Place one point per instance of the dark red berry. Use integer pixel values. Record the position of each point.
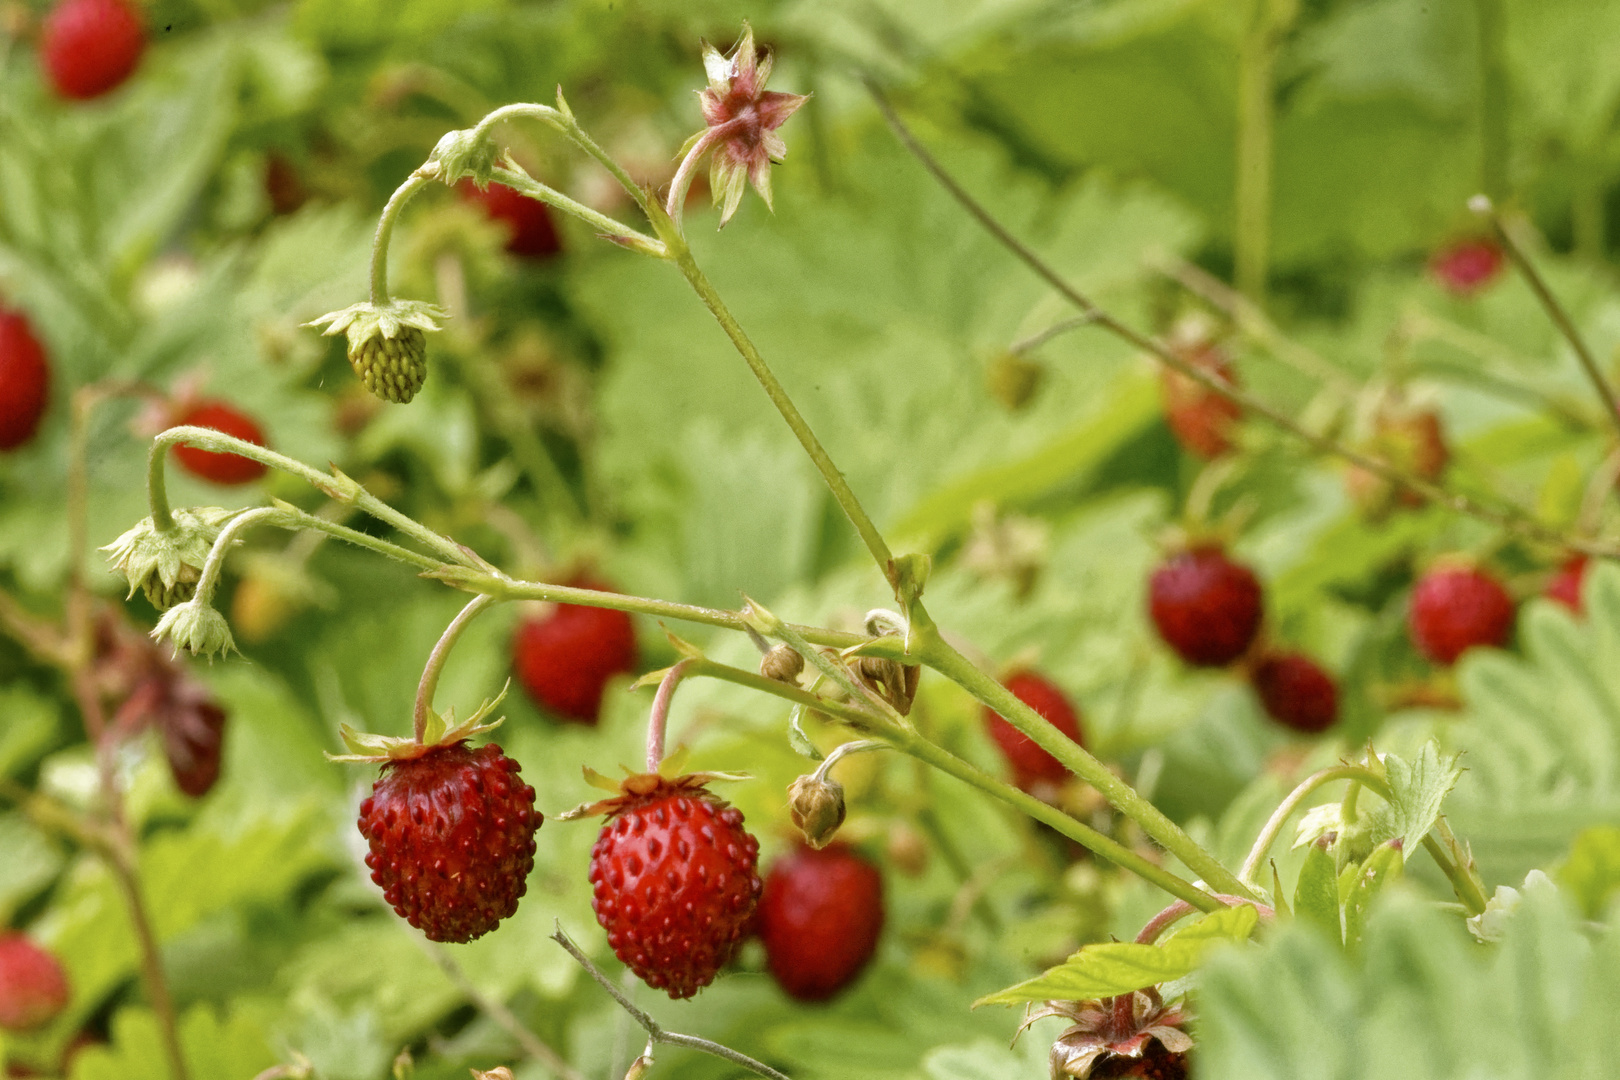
(33, 986)
(820, 917)
(565, 659)
(1565, 587)
(452, 839)
(1296, 692)
(1467, 266)
(1201, 420)
(1030, 764)
(1456, 608)
(220, 468)
(1206, 607)
(91, 46)
(25, 381)
(193, 741)
(1156, 1063)
(531, 232)
(674, 885)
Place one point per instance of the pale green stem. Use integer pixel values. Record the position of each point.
(228, 536)
(385, 228)
(844, 750)
(528, 185)
(437, 658)
(1257, 57)
(1285, 809)
(1462, 883)
(658, 717)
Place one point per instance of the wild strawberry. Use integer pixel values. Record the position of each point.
(1206, 607)
(91, 46)
(1467, 266)
(193, 741)
(1296, 692)
(566, 658)
(673, 879)
(1201, 420)
(1414, 441)
(1031, 765)
(1133, 1035)
(1565, 587)
(25, 381)
(530, 230)
(452, 838)
(33, 986)
(820, 917)
(216, 467)
(1455, 608)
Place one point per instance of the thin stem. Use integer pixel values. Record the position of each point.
(436, 660)
(675, 203)
(385, 228)
(300, 519)
(152, 974)
(1181, 909)
(497, 1011)
(656, 1032)
(1285, 810)
(528, 185)
(1466, 888)
(1483, 206)
(1041, 337)
(844, 750)
(227, 538)
(658, 718)
(1257, 56)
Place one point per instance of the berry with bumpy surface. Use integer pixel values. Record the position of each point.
(1201, 420)
(91, 46)
(820, 917)
(1565, 587)
(1455, 608)
(565, 659)
(1296, 692)
(220, 468)
(1206, 607)
(452, 838)
(1031, 765)
(1467, 266)
(25, 381)
(530, 230)
(674, 881)
(33, 986)
(393, 368)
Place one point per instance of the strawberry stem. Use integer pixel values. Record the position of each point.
(1279, 817)
(436, 659)
(658, 719)
(385, 228)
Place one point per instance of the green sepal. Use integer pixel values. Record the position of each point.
(364, 321)
(1382, 866)
(438, 731)
(1316, 894)
(157, 561)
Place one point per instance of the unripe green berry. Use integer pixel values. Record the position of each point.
(392, 368)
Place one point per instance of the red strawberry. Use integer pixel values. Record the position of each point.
(1296, 692)
(91, 46)
(673, 873)
(820, 917)
(452, 838)
(33, 986)
(1413, 441)
(1455, 608)
(565, 659)
(1565, 587)
(25, 381)
(193, 742)
(1206, 607)
(532, 233)
(1201, 420)
(220, 468)
(1467, 266)
(1030, 764)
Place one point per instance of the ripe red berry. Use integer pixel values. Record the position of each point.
(565, 659)
(1030, 764)
(820, 917)
(1296, 692)
(193, 741)
(531, 232)
(452, 839)
(1201, 420)
(91, 46)
(1565, 587)
(1467, 266)
(673, 874)
(220, 468)
(1456, 608)
(33, 986)
(1206, 607)
(25, 381)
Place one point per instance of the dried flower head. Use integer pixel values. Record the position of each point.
(1130, 1035)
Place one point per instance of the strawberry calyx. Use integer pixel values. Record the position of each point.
(640, 788)
(441, 731)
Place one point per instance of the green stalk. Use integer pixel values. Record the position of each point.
(436, 661)
(1257, 63)
(1285, 810)
(385, 228)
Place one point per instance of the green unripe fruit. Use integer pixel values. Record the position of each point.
(392, 368)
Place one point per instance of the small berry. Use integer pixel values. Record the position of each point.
(1467, 266)
(193, 741)
(33, 986)
(1456, 608)
(820, 917)
(393, 368)
(91, 46)
(1030, 764)
(565, 659)
(1296, 692)
(452, 838)
(530, 230)
(1414, 442)
(1201, 420)
(25, 381)
(220, 468)
(1206, 607)
(1565, 587)
(674, 882)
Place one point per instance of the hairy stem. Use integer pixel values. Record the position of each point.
(658, 718)
(497, 1011)
(214, 565)
(385, 229)
(1285, 810)
(1181, 909)
(436, 660)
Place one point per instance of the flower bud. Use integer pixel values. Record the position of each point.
(197, 628)
(783, 663)
(166, 564)
(895, 682)
(817, 808)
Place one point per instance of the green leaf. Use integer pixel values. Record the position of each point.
(1417, 790)
(1114, 968)
(1316, 896)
